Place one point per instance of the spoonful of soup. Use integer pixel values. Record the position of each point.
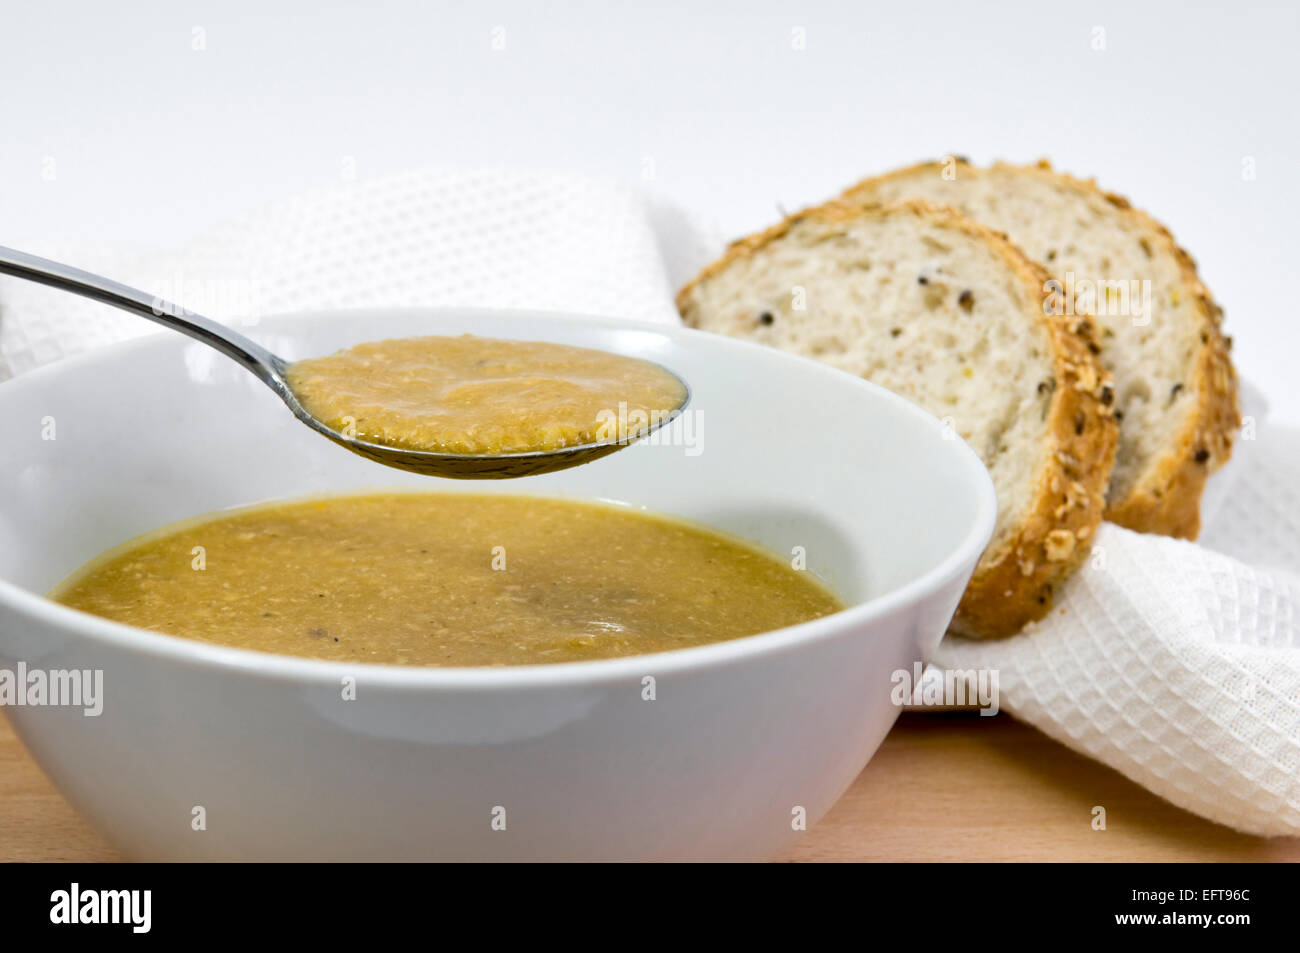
(464, 407)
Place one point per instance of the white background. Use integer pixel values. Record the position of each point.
(151, 139)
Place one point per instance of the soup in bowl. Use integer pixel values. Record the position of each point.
(223, 737)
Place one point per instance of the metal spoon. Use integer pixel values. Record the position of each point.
(270, 370)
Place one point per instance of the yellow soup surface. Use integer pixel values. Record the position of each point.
(446, 579)
(483, 396)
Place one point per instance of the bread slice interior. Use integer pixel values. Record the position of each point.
(1157, 327)
(942, 311)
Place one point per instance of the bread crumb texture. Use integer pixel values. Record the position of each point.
(948, 313)
(1157, 329)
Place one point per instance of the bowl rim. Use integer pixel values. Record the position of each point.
(272, 666)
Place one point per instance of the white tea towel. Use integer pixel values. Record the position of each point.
(1177, 664)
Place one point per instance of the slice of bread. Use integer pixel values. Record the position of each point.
(949, 314)
(1175, 388)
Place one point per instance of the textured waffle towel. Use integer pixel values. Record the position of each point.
(1176, 664)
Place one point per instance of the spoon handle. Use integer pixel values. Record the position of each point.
(265, 365)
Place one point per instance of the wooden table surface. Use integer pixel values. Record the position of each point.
(952, 787)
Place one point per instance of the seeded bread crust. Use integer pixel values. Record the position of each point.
(1166, 498)
(1015, 583)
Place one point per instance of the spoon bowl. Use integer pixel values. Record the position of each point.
(272, 370)
(465, 466)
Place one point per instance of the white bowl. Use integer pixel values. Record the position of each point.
(741, 740)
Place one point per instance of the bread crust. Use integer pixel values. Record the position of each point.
(1015, 584)
(1166, 496)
